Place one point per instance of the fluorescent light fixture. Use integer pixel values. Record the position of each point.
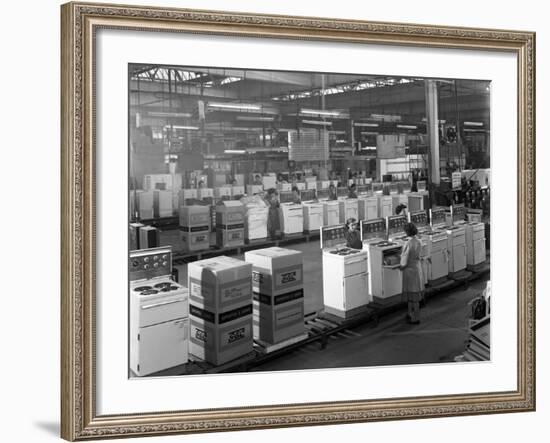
(473, 124)
(317, 122)
(474, 130)
(235, 106)
(229, 80)
(320, 112)
(190, 128)
(170, 114)
(406, 126)
(368, 133)
(384, 117)
(337, 132)
(251, 118)
(440, 121)
(234, 151)
(366, 125)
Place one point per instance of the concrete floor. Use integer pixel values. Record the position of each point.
(439, 338)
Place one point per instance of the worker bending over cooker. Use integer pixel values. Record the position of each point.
(332, 194)
(352, 234)
(296, 198)
(352, 191)
(413, 283)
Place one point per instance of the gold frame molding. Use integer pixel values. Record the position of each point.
(79, 22)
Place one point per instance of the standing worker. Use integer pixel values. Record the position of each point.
(353, 236)
(273, 222)
(296, 199)
(332, 194)
(352, 193)
(413, 283)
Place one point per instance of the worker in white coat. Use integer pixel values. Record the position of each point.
(413, 283)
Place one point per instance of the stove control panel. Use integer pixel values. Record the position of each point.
(458, 212)
(437, 216)
(333, 236)
(419, 218)
(375, 228)
(149, 263)
(396, 223)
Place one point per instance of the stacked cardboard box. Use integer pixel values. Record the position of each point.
(278, 294)
(141, 204)
(162, 204)
(230, 223)
(186, 196)
(134, 236)
(148, 237)
(195, 225)
(220, 309)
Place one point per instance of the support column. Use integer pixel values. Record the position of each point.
(432, 128)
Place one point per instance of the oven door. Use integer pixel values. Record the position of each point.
(163, 346)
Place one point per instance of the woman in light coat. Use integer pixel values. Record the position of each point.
(413, 283)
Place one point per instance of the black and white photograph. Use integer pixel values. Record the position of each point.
(289, 220)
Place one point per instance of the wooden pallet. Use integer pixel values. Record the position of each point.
(230, 366)
(257, 241)
(479, 268)
(267, 348)
(460, 276)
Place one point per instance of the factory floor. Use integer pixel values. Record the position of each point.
(439, 337)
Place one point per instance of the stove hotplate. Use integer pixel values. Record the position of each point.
(169, 288)
(344, 251)
(385, 243)
(142, 288)
(149, 292)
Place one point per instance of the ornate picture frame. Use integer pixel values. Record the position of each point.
(80, 22)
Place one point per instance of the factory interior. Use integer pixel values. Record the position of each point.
(299, 220)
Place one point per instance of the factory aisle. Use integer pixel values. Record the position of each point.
(440, 337)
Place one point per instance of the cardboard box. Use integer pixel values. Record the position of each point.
(162, 204)
(162, 182)
(194, 216)
(144, 206)
(133, 240)
(148, 237)
(230, 223)
(195, 225)
(278, 293)
(220, 284)
(220, 338)
(185, 196)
